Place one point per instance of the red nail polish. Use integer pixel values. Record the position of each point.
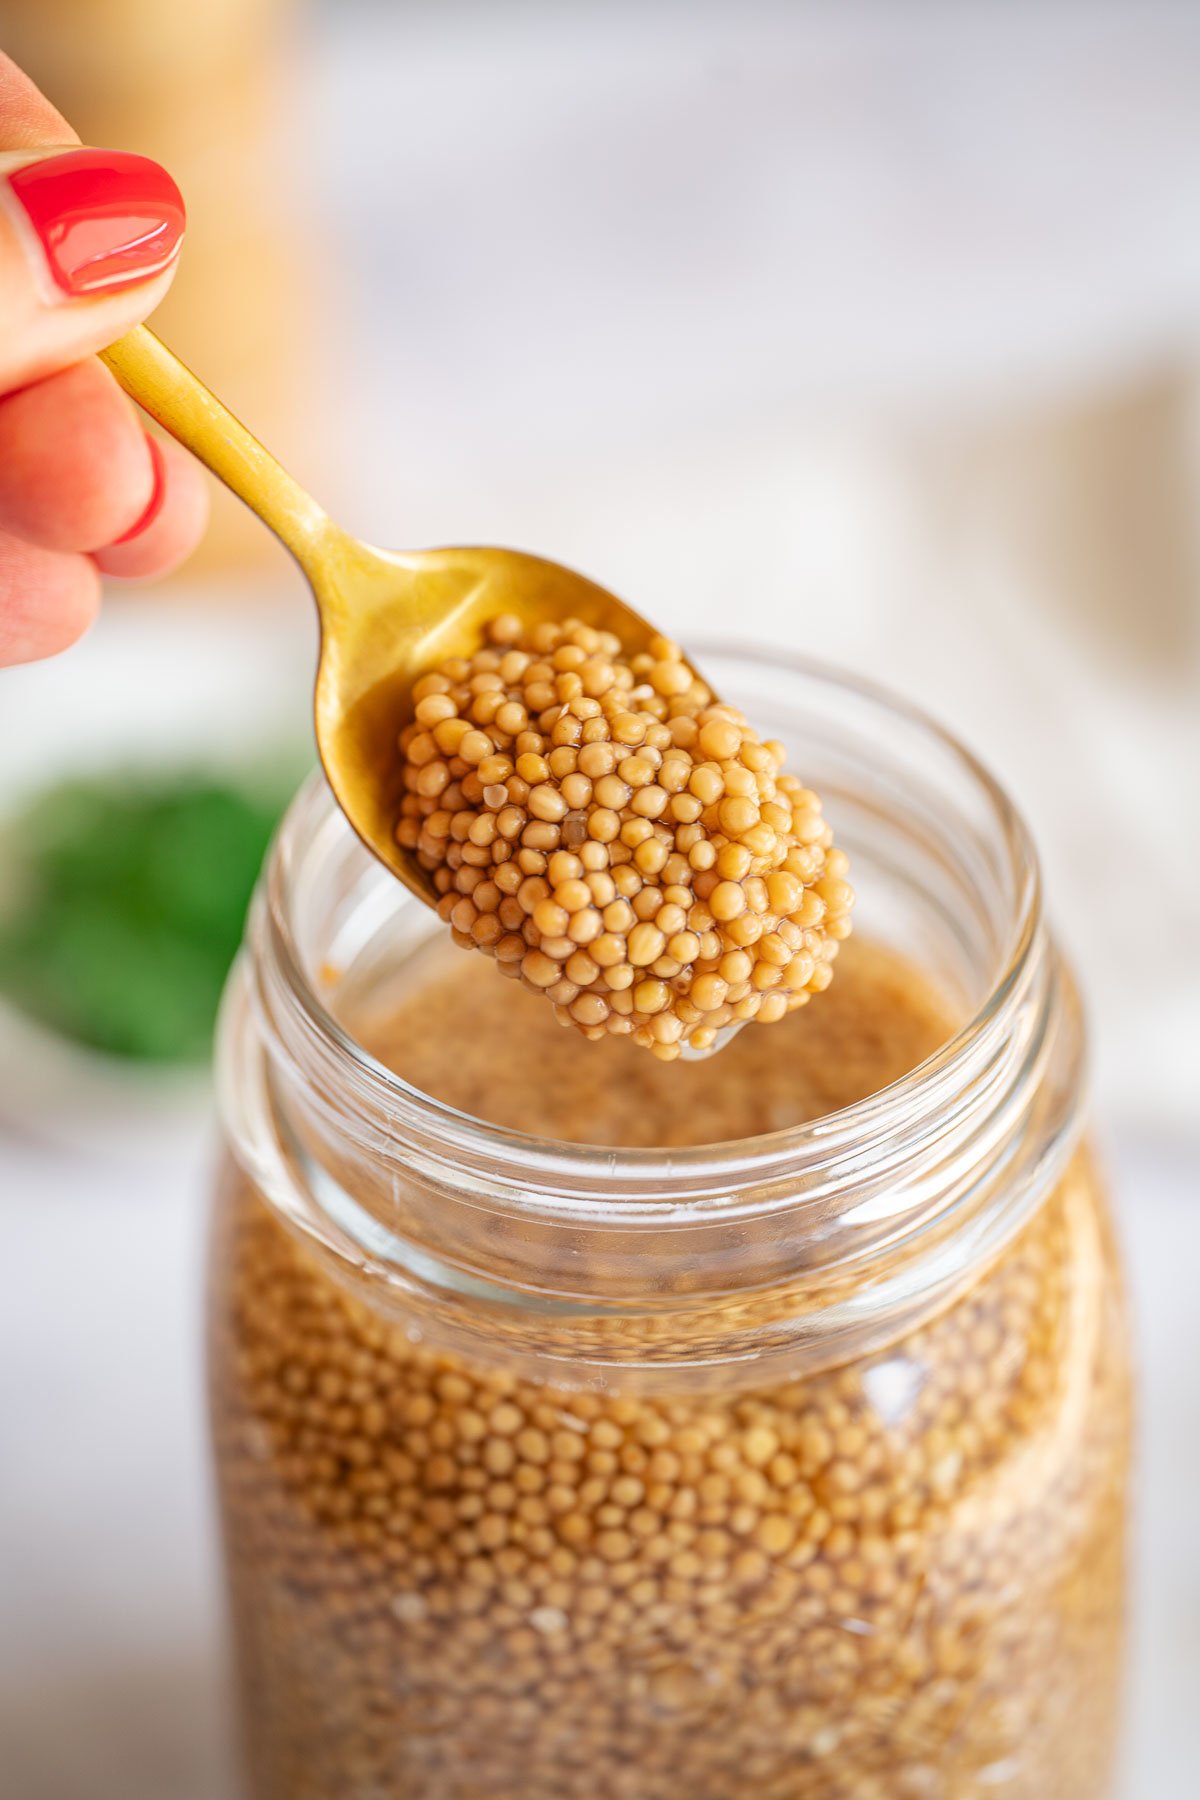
(104, 218)
(158, 494)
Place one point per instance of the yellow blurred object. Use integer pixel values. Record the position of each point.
(199, 87)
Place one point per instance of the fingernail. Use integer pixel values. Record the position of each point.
(158, 494)
(104, 219)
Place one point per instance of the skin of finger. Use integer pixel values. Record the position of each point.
(174, 534)
(47, 600)
(26, 116)
(75, 471)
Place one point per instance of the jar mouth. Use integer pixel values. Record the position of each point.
(550, 1175)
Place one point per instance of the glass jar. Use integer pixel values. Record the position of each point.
(790, 1466)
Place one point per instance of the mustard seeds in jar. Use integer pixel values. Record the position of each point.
(617, 839)
(592, 1426)
(900, 1576)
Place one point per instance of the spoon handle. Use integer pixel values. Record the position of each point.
(167, 390)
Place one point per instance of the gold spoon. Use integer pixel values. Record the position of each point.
(386, 616)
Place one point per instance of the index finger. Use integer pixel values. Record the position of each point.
(27, 118)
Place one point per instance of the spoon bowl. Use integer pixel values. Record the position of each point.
(386, 617)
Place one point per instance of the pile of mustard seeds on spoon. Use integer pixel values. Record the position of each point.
(617, 839)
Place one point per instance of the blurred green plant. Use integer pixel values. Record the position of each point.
(124, 902)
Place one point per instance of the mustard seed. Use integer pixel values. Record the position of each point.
(727, 901)
(720, 739)
(646, 942)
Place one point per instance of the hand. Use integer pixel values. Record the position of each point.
(89, 240)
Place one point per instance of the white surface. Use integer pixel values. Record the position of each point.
(111, 1685)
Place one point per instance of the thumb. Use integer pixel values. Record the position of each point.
(88, 245)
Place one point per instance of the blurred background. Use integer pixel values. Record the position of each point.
(871, 330)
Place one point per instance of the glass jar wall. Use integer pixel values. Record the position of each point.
(588, 1426)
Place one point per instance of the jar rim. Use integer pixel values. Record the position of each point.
(549, 1175)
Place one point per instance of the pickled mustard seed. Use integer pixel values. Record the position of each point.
(828, 1584)
(617, 839)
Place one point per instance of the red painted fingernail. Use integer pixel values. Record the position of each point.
(158, 494)
(105, 219)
